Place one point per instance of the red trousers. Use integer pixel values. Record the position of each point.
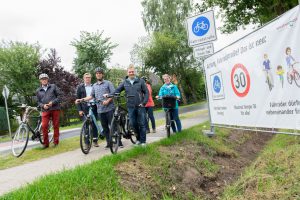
(54, 114)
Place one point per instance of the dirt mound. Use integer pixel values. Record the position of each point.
(190, 170)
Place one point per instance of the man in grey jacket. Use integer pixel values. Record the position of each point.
(136, 87)
(48, 100)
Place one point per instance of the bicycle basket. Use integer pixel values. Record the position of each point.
(169, 102)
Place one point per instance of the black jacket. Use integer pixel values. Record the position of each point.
(138, 89)
(81, 93)
(52, 94)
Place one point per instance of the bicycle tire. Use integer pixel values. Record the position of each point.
(168, 124)
(289, 78)
(114, 136)
(297, 78)
(86, 138)
(50, 132)
(20, 140)
(269, 83)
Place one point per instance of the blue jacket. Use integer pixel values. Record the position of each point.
(171, 90)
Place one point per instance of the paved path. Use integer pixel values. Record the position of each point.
(15, 177)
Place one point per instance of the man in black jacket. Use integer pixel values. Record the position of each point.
(85, 90)
(136, 87)
(48, 100)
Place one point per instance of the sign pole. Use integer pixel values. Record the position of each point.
(5, 95)
(212, 128)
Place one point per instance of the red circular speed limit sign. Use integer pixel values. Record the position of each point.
(240, 80)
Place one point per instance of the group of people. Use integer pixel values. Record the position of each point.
(139, 104)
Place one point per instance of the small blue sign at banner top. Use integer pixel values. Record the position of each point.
(200, 26)
(217, 84)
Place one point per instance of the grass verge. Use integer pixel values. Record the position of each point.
(274, 175)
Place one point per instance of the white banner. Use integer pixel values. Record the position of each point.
(255, 81)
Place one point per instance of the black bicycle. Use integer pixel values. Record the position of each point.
(86, 133)
(21, 137)
(168, 103)
(120, 125)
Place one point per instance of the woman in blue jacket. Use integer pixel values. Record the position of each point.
(171, 90)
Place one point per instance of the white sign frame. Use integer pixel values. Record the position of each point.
(201, 28)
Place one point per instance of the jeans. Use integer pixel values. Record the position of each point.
(149, 112)
(106, 119)
(45, 123)
(175, 116)
(137, 122)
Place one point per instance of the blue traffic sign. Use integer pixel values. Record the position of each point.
(217, 84)
(200, 26)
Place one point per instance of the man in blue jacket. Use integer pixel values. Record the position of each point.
(135, 87)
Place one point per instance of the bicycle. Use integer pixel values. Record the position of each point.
(20, 139)
(86, 132)
(200, 26)
(168, 103)
(120, 126)
(293, 75)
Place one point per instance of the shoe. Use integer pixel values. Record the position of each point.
(148, 131)
(143, 144)
(106, 147)
(96, 144)
(45, 146)
(137, 143)
(121, 145)
(101, 137)
(154, 131)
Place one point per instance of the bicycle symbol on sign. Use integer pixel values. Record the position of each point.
(200, 26)
(217, 84)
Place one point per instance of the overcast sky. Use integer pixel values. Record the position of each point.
(54, 24)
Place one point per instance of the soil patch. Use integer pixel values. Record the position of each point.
(189, 170)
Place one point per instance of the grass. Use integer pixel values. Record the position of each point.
(7, 161)
(99, 179)
(274, 175)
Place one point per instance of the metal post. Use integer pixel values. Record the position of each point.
(212, 128)
(7, 117)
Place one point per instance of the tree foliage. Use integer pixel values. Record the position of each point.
(168, 50)
(66, 81)
(92, 50)
(236, 14)
(18, 64)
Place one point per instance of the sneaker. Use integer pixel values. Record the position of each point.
(154, 131)
(121, 145)
(106, 147)
(137, 143)
(143, 144)
(96, 144)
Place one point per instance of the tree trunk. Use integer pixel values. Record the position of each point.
(184, 100)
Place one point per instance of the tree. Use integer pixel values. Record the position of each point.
(18, 64)
(66, 81)
(92, 51)
(236, 14)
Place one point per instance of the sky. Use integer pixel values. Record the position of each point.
(55, 23)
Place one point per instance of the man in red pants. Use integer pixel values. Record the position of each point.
(48, 101)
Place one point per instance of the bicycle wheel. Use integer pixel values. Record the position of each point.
(86, 137)
(297, 78)
(114, 136)
(50, 132)
(20, 140)
(168, 123)
(289, 78)
(132, 134)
